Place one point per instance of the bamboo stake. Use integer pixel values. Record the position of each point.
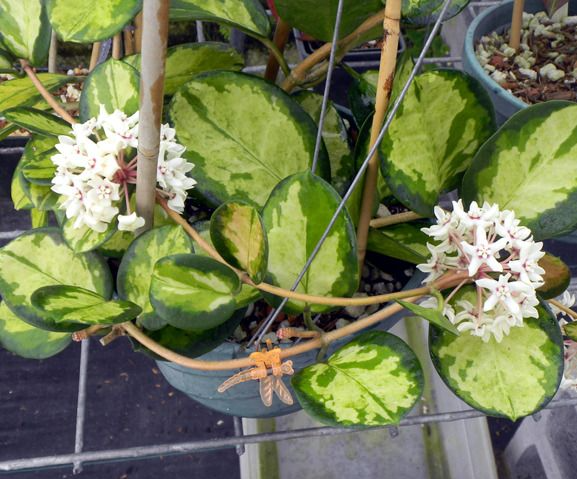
(117, 46)
(516, 24)
(384, 86)
(95, 54)
(52, 53)
(138, 33)
(281, 36)
(154, 42)
(128, 41)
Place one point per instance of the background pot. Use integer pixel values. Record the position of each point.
(497, 18)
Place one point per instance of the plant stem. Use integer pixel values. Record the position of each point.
(281, 35)
(308, 320)
(384, 87)
(563, 308)
(52, 53)
(274, 50)
(298, 74)
(154, 41)
(45, 93)
(394, 219)
(516, 23)
(443, 282)
(94, 56)
(128, 41)
(117, 46)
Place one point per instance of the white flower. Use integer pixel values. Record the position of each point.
(507, 293)
(483, 252)
(130, 222)
(527, 266)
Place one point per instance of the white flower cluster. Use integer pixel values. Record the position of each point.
(500, 257)
(96, 165)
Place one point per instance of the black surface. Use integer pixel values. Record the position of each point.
(128, 403)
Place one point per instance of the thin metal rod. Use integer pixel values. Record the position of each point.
(238, 432)
(53, 52)
(328, 84)
(274, 314)
(228, 442)
(81, 406)
(200, 32)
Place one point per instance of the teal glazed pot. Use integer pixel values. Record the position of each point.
(243, 400)
(497, 18)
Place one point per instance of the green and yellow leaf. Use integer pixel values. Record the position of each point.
(237, 233)
(37, 121)
(434, 316)
(22, 92)
(404, 241)
(374, 380)
(529, 167)
(557, 276)
(295, 217)
(193, 292)
(243, 134)
(84, 238)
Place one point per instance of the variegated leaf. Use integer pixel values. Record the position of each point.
(41, 258)
(570, 330)
(37, 167)
(71, 305)
(243, 134)
(529, 167)
(189, 59)
(84, 238)
(335, 138)
(6, 62)
(246, 15)
(22, 92)
(513, 378)
(113, 84)
(18, 187)
(238, 234)
(295, 217)
(39, 194)
(362, 93)
(374, 380)
(24, 29)
(318, 18)
(192, 343)
(557, 276)
(27, 341)
(434, 316)
(90, 20)
(444, 119)
(193, 292)
(425, 12)
(403, 241)
(38, 219)
(37, 121)
(135, 272)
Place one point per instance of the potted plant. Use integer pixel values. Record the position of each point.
(531, 72)
(127, 185)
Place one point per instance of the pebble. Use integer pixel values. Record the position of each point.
(356, 311)
(239, 334)
(379, 288)
(499, 77)
(532, 74)
(551, 72)
(387, 276)
(272, 336)
(341, 323)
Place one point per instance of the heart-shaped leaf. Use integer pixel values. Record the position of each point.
(22, 92)
(335, 138)
(318, 18)
(374, 380)
(90, 20)
(246, 15)
(27, 341)
(6, 62)
(557, 276)
(434, 316)
(513, 378)
(238, 234)
(192, 343)
(42, 258)
(236, 129)
(37, 121)
(84, 238)
(113, 84)
(189, 59)
(403, 241)
(445, 117)
(70, 305)
(570, 330)
(193, 292)
(135, 271)
(295, 217)
(529, 167)
(24, 29)
(426, 12)
(38, 219)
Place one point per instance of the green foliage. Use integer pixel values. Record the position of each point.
(21, 91)
(434, 316)
(404, 241)
(37, 121)
(374, 380)
(557, 276)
